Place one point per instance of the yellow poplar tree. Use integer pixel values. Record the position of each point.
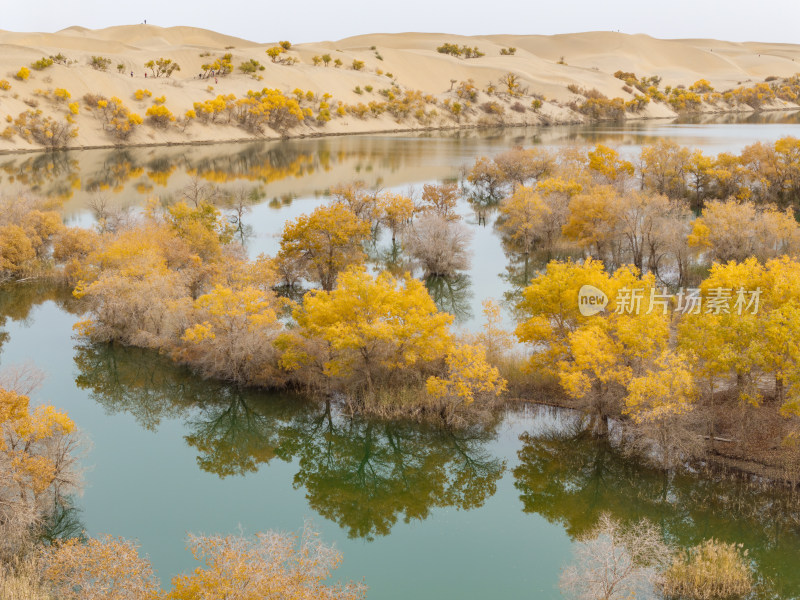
(375, 327)
(327, 241)
(396, 211)
(233, 336)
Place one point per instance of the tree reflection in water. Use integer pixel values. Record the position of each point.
(571, 478)
(17, 300)
(362, 474)
(452, 294)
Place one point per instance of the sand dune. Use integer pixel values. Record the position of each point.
(546, 65)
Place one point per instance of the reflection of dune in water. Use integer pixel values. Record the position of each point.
(296, 168)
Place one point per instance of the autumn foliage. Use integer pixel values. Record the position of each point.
(280, 565)
(38, 469)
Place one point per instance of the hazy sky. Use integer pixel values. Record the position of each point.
(315, 20)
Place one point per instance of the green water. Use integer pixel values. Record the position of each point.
(419, 513)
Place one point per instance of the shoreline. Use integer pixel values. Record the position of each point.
(322, 134)
(711, 461)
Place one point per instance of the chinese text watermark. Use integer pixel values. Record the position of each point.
(687, 301)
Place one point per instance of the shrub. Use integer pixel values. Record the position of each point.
(368, 88)
(99, 63)
(23, 73)
(471, 52)
(700, 86)
(357, 65)
(32, 125)
(160, 115)
(267, 108)
(4, 85)
(211, 110)
(117, 119)
(682, 100)
(42, 63)
(120, 67)
(274, 53)
(358, 90)
(142, 94)
(601, 108)
(360, 110)
(162, 67)
(518, 107)
(492, 108)
(451, 49)
(251, 66)
(61, 95)
(285, 45)
(637, 104)
(707, 571)
(466, 90)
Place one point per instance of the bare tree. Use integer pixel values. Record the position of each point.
(109, 218)
(23, 379)
(441, 247)
(197, 191)
(240, 202)
(615, 561)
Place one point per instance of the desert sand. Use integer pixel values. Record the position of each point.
(411, 58)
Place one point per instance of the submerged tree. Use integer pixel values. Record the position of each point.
(38, 469)
(441, 246)
(374, 329)
(326, 242)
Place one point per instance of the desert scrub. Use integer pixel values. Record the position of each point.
(159, 115)
(33, 126)
(42, 63)
(99, 63)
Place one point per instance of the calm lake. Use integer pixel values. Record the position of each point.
(485, 513)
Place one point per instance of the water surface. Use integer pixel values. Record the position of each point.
(420, 513)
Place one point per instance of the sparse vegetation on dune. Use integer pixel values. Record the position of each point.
(510, 100)
(477, 102)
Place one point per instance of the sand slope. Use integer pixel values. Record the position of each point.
(591, 59)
